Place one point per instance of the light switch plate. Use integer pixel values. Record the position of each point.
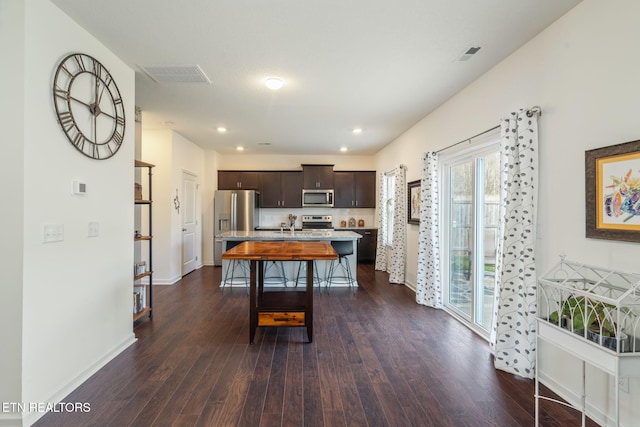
(94, 229)
(53, 233)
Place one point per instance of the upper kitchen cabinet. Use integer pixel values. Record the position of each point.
(354, 189)
(281, 189)
(317, 176)
(238, 180)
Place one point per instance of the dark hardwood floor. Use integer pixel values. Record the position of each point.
(377, 359)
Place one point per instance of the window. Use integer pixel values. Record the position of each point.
(389, 194)
(470, 203)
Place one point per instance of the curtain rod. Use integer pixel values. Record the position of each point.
(392, 171)
(468, 139)
(530, 112)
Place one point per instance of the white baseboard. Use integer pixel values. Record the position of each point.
(173, 280)
(411, 286)
(574, 399)
(30, 418)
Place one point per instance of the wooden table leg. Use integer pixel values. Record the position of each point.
(253, 312)
(308, 317)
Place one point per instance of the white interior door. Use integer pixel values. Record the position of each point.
(188, 207)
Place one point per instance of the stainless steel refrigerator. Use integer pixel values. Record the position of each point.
(233, 210)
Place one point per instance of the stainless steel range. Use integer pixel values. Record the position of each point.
(317, 222)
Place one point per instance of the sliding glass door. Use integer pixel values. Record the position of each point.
(471, 195)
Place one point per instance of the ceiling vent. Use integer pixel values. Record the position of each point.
(469, 53)
(177, 74)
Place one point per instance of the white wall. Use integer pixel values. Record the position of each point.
(157, 149)
(187, 157)
(12, 39)
(77, 293)
(582, 72)
(208, 193)
(171, 154)
(246, 161)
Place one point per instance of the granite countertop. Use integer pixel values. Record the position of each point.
(355, 228)
(288, 235)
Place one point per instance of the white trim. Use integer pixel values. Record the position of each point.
(30, 418)
(575, 400)
(486, 144)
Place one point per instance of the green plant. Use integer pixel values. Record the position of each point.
(598, 316)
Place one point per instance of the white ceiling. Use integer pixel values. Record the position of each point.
(375, 64)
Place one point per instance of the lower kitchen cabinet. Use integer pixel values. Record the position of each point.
(367, 244)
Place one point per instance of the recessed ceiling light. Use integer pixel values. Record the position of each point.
(357, 131)
(240, 148)
(221, 129)
(274, 83)
(344, 149)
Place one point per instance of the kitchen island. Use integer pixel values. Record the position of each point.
(281, 308)
(291, 268)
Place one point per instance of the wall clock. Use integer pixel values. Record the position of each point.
(89, 106)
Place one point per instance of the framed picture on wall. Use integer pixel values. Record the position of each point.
(612, 177)
(413, 205)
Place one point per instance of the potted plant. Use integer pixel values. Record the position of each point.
(603, 328)
(577, 314)
(570, 315)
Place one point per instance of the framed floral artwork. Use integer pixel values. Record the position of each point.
(613, 192)
(413, 211)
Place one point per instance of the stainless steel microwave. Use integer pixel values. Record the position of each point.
(321, 198)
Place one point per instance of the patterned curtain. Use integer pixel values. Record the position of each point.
(381, 253)
(399, 242)
(429, 285)
(513, 335)
(396, 265)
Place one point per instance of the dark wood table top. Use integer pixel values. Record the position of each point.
(282, 251)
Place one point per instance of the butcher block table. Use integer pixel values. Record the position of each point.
(288, 307)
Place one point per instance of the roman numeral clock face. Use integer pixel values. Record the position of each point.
(89, 106)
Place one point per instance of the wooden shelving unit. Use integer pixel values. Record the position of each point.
(145, 290)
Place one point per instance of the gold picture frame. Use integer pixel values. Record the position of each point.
(612, 178)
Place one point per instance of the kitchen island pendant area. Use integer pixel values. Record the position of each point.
(292, 272)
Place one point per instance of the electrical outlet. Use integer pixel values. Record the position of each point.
(623, 384)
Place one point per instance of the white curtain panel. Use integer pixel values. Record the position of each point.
(399, 242)
(513, 335)
(381, 255)
(429, 284)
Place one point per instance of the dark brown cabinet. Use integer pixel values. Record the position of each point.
(281, 189)
(354, 189)
(317, 176)
(367, 245)
(238, 180)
